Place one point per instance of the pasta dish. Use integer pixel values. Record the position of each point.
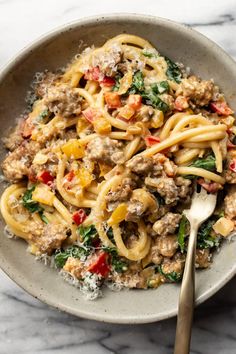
(105, 160)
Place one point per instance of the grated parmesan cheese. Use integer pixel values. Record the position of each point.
(8, 233)
(46, 260)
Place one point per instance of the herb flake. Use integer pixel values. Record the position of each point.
(208, 163)
(88, 234)
(61, 256)
(173, 277)
(154, 100)
(118, 264)
(182, 233)
(205, 237)
(30, 204)
(173, 72)
(160, 87)
(137, 84)
(44, 114)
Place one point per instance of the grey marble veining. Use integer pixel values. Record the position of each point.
(27, 325)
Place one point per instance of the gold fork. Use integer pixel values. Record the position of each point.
(202, 207)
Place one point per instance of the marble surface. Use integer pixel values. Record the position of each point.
(27, 325)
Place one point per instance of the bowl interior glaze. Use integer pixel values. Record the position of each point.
(53, 51)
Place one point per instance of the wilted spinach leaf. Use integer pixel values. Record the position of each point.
(61, 256)
(173, 277)
(160, 87)
(30, 204)
(88, 234)
(118, 264)
(204, 237)
(182, 233)
(173, 72)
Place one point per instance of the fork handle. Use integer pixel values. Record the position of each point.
(187, 298)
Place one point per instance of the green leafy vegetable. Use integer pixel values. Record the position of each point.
(205, 236)
(138, 83)
(110, 235)
(88, 234)
(30, 204)
(43, 218)
(173, 72)
(173, 277)
(151, 96)
(182, 233)
(42, 115)
(154, 100)
(118, 264)
(208, 163)
(117, 84)
(61, 256)
(160, 87)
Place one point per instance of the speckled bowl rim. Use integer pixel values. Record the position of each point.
(5, 70)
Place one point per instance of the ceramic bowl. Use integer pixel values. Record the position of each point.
(53, 51)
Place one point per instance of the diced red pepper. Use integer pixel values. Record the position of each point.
(94, 74)
(152, 140)
(211, 187)
(108, 81)
(45, 177)
(181, 103)
(70, 176)
(135, 101)
(112, 99)
(232, 165)
(91, 114)
(221, 108)
(79, 216)
(100, 265)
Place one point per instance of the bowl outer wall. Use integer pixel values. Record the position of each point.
(53, 51)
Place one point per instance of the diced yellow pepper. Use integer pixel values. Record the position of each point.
(118, 214)
(42, 194)
(40, 159)
(73, 149)
(33, 249)
(125, 83)
(223, 226)
(229, 121)
(84, 177)
(81, 125)
(157, 119)
(102, 125)
(126, 112)
(189, 111)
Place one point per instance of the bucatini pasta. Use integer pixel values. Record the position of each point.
(106, 160)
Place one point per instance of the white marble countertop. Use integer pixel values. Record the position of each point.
(27, 325)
